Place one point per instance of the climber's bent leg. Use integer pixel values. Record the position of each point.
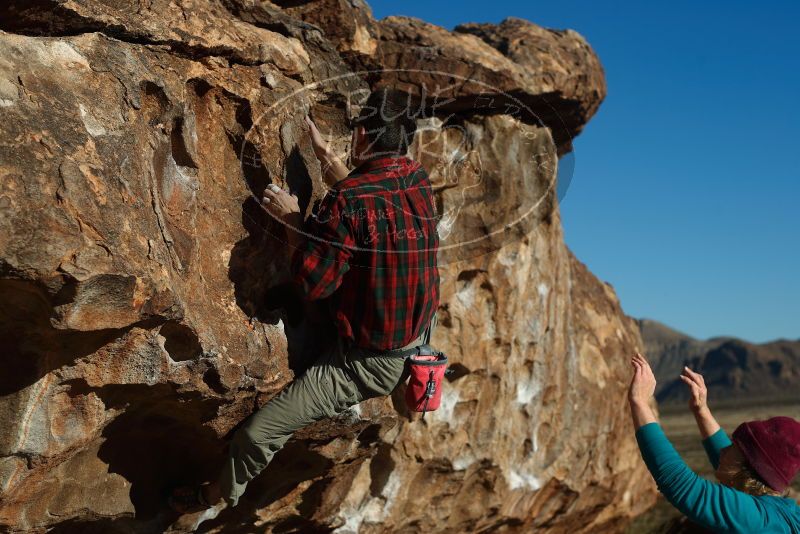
(325, 389)
(341, 378)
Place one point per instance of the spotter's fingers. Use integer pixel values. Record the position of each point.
(697, 377)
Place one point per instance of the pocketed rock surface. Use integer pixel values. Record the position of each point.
(137, 322)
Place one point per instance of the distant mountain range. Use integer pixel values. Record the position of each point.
(735, 371)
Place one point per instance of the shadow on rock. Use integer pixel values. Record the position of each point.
(32, 347)
(160, 441)
(290, 468)
(264, 255)
(124, 525)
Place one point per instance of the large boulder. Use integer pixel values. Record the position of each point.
(138, 319)
(538, 75)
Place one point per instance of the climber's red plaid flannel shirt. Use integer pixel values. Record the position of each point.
(372, 249)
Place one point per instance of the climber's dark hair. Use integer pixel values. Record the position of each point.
(388, 117)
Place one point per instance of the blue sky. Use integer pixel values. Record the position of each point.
(687, 181)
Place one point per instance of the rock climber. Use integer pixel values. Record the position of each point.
(755, 468)
(370, 252)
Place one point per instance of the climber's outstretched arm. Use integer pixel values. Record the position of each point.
(333, 170)
(320, 261)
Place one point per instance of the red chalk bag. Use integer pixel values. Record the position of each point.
(426, 373)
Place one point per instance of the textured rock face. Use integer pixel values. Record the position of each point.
(136, 322)
(542, 76)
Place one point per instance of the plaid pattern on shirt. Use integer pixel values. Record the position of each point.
(372, 250)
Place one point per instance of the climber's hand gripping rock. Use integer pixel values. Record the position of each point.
(281, 204)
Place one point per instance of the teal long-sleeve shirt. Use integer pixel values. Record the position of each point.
(712, 505)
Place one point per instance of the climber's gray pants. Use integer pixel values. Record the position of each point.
(339, 379)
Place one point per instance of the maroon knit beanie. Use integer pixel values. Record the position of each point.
(772, 449)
